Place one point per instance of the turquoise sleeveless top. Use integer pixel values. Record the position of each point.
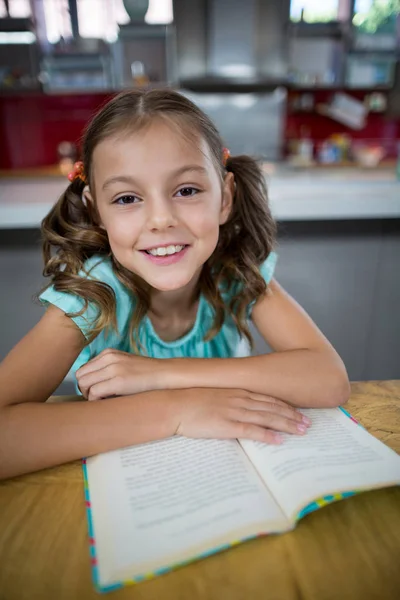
(226, 344)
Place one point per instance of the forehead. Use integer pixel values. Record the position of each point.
(158, 144)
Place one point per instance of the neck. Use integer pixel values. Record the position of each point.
(176, 302)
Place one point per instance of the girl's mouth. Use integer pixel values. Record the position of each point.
(167, 259)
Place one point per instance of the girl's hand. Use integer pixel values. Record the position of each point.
(234, 413)
(116, 373)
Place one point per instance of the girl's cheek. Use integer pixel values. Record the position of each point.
(122, 226)
(203, 216)
(208, 226)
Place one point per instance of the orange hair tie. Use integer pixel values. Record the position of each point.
(77, 172)
(225, 155)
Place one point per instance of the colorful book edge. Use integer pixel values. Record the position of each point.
(312, 507)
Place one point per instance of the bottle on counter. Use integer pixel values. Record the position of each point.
(328, 153)
(342, 142)
(305, 148)
(139, 75)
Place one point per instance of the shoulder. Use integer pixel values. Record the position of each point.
(96, 268)
(99, 268)
(267, 268)
(83, 312)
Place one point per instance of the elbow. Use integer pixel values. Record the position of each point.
(337, 389)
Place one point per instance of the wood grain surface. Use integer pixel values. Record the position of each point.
(349, 550)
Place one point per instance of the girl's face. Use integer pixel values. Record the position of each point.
(161, 202)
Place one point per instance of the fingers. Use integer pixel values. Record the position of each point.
(285, 410)
(107, 352)
(250, 431)
(254, 401)
(268, 413)
(86, 381)
(107, 357)
(270, 400)
(270, 420)
(231, 413)
(265, 398)
(94, 365)
(98, 369)
(246, 394)
(104, 389)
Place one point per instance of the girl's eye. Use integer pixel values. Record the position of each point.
(187, 192)
(126, 200)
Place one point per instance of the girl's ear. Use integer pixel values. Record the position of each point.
(87, 196)
(87, 200)
(228, 193)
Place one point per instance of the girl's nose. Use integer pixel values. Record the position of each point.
(160, 213)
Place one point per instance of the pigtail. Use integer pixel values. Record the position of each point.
(246, 240)
(71, 228)
(251, 220)
(71, 235)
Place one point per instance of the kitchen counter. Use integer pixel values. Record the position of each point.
(333, 193)
(295, 194)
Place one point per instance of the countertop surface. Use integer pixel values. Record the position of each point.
(348, 550)
(295, 194)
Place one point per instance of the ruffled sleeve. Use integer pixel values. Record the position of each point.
(96, 268)
(267, 269)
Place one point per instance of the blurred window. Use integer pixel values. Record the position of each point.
(376, 16)
(314, 11)
(160, 12)
(17, 8)
(58, 22)
(97, 18)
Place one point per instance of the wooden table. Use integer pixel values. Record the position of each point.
(347, 551)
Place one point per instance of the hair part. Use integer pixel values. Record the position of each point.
(71, 232)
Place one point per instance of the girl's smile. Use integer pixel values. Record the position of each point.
(170, 254)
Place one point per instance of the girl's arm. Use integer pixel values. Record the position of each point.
(303, 370)
(35, 435)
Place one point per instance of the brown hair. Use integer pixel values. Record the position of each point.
(246, 239)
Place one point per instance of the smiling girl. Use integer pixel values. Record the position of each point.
(159, 252)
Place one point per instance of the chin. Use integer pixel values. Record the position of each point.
(169, 284)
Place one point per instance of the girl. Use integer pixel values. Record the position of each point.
(158, 251)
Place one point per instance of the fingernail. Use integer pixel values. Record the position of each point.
(306, 420)
(277, 439)
(301, 428)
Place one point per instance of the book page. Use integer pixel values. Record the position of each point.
(167, 501)
(335, 455)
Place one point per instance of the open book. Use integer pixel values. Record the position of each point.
(159, 505)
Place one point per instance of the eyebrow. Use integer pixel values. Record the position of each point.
(177, 173)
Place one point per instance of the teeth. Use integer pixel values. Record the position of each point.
(165, 250)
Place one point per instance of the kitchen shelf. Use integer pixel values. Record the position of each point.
(215, 84)
(338, 87)
(332, 29)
